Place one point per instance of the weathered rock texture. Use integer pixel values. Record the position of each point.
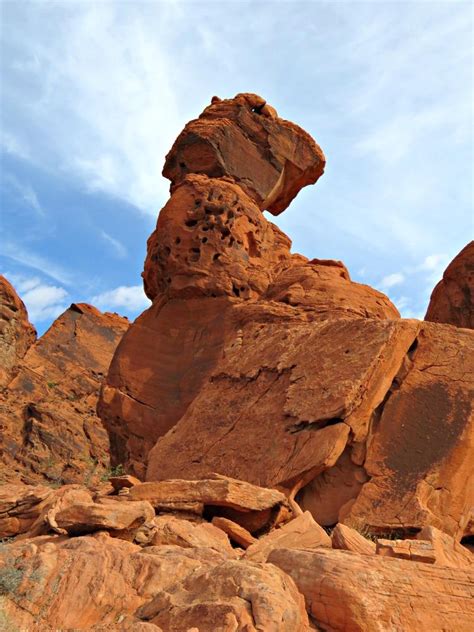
(49, 429)
(17, 334)
(452, 300)
(264, 366)
(368, 593)
(177, 572)
(271, 159)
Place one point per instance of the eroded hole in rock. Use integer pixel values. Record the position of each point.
(412, 349)
(190, 222)
(225, 233)
(177, 240)
(204, 240)
(216, 256)
(182, 165)
(167, 250)
(468, 542)
(253, 248)
(235, 290)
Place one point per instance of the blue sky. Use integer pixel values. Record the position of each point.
(94, 93)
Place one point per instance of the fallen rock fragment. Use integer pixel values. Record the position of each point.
(219, 491)
(170, 530)
(109, 514)
(307, 386)
(20, 506)
(346, 591)
(348, 539)
(447, 551)
(301, 533)
(412, 550)
(235, 531)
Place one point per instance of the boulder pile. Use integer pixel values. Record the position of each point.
(287, 453)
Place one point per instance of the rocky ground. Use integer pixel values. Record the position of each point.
(268, 447)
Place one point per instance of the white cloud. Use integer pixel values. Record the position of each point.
(43, 301)
(104, 108)
(392, 279)
(131, 298)
(117, 247)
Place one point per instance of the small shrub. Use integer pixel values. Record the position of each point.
(51, 384)
(10, 579)
(118, 470)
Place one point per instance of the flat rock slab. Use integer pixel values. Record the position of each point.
(360, 593)
(279, 408)
(220, 491)
(420, 457)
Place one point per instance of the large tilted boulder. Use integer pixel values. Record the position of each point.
(369, 593)
(265, 366)
(452, 300)
(50, 430)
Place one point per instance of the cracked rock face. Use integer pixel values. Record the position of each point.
(260, 364)
(49, 427)
(452, 300)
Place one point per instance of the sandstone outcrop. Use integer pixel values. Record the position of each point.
(271, 159)
(262, 365)
(17, 334)
(452, 300)
(288, 453)
(369, 593)
(48, 423)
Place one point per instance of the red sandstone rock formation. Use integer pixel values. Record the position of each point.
(48, 424)
(269, 158)
(253, 363)
(17, 334)
(214, 267)
(452, 300)
(259, 364)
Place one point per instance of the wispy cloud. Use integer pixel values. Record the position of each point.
(117, 247)
(24, 192)
(130, 298)
(17, 253)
